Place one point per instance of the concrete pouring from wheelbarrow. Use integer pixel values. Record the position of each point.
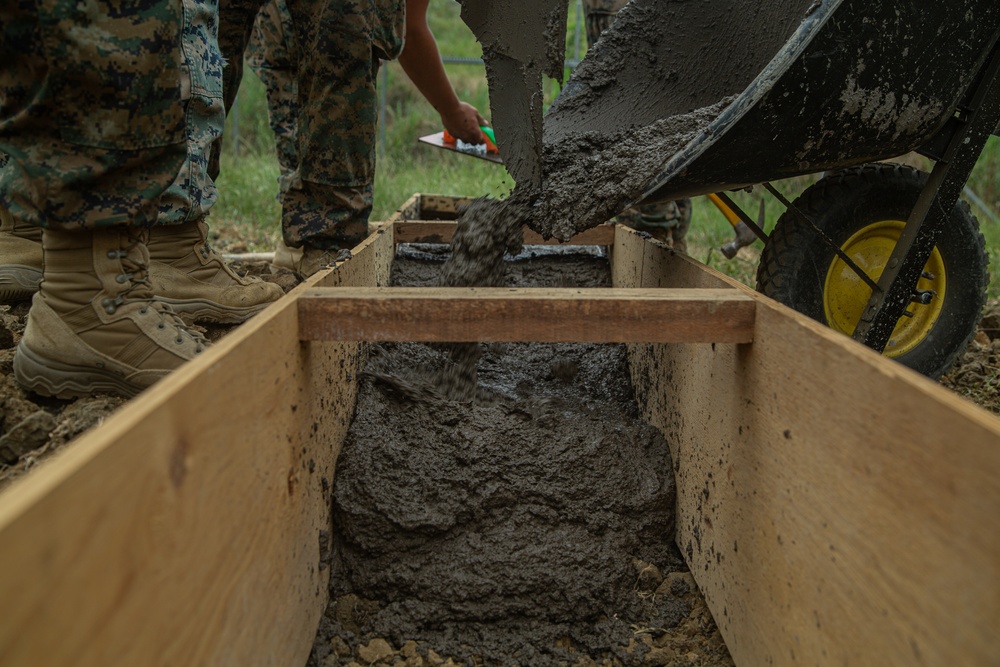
(192, 528)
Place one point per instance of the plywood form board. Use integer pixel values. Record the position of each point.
(441, 232)
(456, 314)
(192, 527)
(834, 507)
(429, 207)
(442, 206)
(410, 210)
(427, 218)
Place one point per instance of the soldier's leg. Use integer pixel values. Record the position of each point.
(20, 255)
(328, 203)
(683, 224)
(666, 221)
(88, 165)
(598, 15)
(186, 272)
(271, 54)
(236, 20)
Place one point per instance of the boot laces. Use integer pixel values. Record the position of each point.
(135, 272)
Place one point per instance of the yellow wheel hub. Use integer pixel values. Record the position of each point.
(845, 295)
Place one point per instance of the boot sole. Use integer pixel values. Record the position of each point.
(18, 283)
(201, 310)
(58, 380)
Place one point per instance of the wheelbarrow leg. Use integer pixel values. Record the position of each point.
(977, 120)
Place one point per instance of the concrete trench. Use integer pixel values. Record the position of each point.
(531, 525)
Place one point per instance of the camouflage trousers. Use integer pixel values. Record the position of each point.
(272, 55)
(667, 221)
(598, 15)
(193, 192)
(334, 48)
(105, 136)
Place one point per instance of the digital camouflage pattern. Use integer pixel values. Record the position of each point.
(272, 56)
(598, 15)
(667, 221)
(339, 43)
(193, 192)
(90, 115)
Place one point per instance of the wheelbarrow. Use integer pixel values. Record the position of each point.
(882, 252)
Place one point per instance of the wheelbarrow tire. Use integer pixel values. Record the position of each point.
(796, 262)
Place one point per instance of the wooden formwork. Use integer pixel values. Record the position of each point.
(834, 507)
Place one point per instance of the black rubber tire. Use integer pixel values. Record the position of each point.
(795, 261)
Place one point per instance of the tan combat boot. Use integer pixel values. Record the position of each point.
(307, 260)
(20, 259)
(94, 326)
(190, 276)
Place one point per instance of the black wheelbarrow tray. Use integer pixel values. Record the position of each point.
(883, 252)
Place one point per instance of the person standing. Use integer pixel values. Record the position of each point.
(346, 166)
(106, 113)
(339, 45)
(184, 270)
(93, 122)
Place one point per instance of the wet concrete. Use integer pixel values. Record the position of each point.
(521, 41)
(496, 526)
(652, 85)
(493, 501)
(591, 176)
(664, 58)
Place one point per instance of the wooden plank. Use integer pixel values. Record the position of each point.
(410, 210)
(541, 315)
(600, 235)
(436, 206)
(424, 232)
(193, 527)
(427, 207)
(834, 507)
(439, 231)
(425, 218)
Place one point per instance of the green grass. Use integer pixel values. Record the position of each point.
(248, 183)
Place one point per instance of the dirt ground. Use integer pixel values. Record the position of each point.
(625, 600)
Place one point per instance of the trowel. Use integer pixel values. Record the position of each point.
(487, 151)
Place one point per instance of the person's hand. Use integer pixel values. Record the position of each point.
(464, 122)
